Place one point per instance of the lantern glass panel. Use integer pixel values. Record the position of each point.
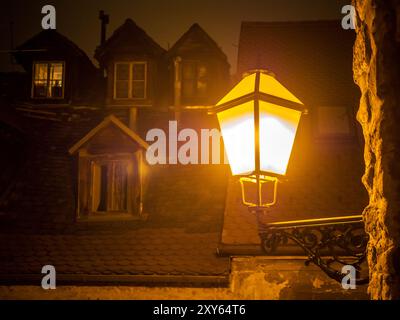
(237, 126)
(278, 126)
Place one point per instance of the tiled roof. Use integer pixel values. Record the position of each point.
(44, 187)
(177, 242)
(145, 251)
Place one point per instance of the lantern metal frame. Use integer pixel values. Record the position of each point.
(259, 181)
(259, 176)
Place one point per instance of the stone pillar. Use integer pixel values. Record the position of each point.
(376, 71)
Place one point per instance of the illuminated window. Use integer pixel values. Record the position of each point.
(194, 80)
(48, 80)
(130, 80)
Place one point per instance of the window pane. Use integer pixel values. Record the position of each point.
(202, 72)
(119, 187)
(138, 89)
(201, 88)
(40, 89)
(122, 71)
(122, 89)
(103, 188)
(201, 81)
(130, 80)
(138, 71)
(56, 80)
(188, 71)
(48, 80)
(56, 90)
(194, 79)
(110, 184)
(56, 71)
(40, 71)
(40, 80)
(188, 88)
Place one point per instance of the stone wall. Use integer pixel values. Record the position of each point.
(377, 73)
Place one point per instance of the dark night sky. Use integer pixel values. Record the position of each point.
(164, 20)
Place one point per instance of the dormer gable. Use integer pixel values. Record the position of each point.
(110, 172)
(129, 38)
(196, 40)
(131, 59)
(57, 69)
(199, 69)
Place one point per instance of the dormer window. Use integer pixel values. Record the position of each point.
(194, 81)
(110, 172)
(130, 80)
(48, 80)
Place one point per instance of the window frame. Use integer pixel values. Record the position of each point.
(130, 80)
(48, 62)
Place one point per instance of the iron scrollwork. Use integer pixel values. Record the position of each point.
(329, 243)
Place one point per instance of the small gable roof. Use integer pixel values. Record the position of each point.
(196, 40)
(110, 120)
(50, 43)
(129, 38)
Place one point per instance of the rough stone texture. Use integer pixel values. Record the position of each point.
(377, 73)
(286, 278)
(251, 278)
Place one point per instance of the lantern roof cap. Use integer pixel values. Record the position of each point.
(264, 71)
(260, 84)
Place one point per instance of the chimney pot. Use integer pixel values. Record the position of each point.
(105, 19)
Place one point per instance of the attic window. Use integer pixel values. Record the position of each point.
(48, 80)
(130, 80)
(194, 80)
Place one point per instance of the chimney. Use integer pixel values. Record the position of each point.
(105, 19)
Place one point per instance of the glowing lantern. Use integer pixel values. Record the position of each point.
(258, 120)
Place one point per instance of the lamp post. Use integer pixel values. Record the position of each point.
(259, 118)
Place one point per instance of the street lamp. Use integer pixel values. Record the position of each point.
(258, 120)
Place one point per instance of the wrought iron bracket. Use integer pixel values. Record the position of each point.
(329, 243)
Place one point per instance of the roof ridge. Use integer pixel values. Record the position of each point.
(61, 37)
(104, 123)
(196, 26)
(129, 25)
